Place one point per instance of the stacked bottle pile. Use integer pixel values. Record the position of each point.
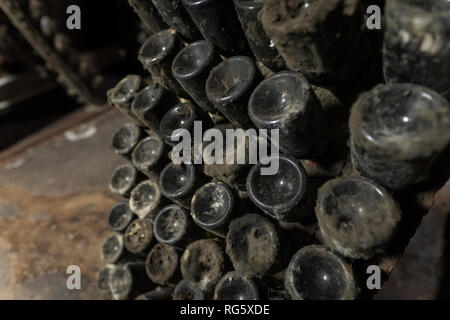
(190, 231)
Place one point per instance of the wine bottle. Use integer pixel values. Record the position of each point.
(124, 179)
(180, 182)
(233, 286)
(317, 273)
(263, 48)
(212, 207)
(120, 216)
(173, 226)
(138, 237)
(157, 54)
(125, 139)
(176, 16)
(283, 196)
(357, 217)
(203, 263)
(151, 103)
(229, 86)
(269, 250)
(417, 44)
(185, 290)
(286, 101)
(150, 156)
(163, 265)
(397, 131)
(191, 68)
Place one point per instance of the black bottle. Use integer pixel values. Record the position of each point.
(129, 281)
(113, 250)
(123, 94)
(176, 16)
(218, 23)
(181, 116)
(150, 156)
(316, 273)
(157, 54)
(269, 250)
(263, 48)
(322, 39)
(357, 217)
(120, 216)
(212, 207)
(229, 87)
(124, 179)
(179, 183)
(232, 286)
(102, 279)
(173, 226)
(163, 265)
(283, 196)
(145, 199)
(125, 139)
(397, 131)
(207, 256)
(185, 290)
(151, 103)
(417, 44)
(286, 101)
(191, 68)
(138, 237)
(148, 14)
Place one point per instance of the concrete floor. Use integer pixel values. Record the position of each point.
(53, 205)
(54, 200)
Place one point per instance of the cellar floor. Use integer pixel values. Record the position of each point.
(54, 200)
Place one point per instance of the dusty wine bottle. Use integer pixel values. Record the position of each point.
(163, 265)
(191, 68)
(151, 103)
(203, 263)
(138, 237)
(316, 273)
(113, 250)
(397, 131)
(263, 48)
(357, 217)
(145, 199)
(307, 31)
(185, 290)
(102, 279)
(176, 16)
(286, 102)
(124, 179)
(156, 55)
(181, 116)
(173, 226)
(212, 208)
(417, 44)
(129, 280)
(125, 139)
(218, 23)
(178, 182)
(229, 87)
(122, 95)
(120, 216)
(283, 195)
(150, 155)
(268, 253)
(148, 14)
(233, 286)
